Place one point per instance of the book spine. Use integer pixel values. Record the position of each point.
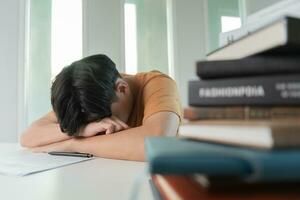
(255, 65)
(251, 91)
(203, 113)
(272, 113)
(246, 112)
(284, 137)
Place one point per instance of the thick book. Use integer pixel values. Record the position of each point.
(189, 157)
(236, 184)
(241, 112)
(281, 36)
(250, 66)
(169, 155)
(256, 134)
(279, 90)
(173, 187)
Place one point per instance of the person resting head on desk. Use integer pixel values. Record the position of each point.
(96, 110)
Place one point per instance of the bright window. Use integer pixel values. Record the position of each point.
(130, 38)
(66, 33)
(230, 23)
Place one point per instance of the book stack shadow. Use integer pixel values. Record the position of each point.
(241, 134)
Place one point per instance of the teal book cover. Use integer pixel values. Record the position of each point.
(169, 155)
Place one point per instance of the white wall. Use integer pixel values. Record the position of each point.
(103, 25)
(189, 41)
(9, 57)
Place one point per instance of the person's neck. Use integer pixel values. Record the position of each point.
(131, 99)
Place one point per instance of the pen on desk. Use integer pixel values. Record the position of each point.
(76, 154)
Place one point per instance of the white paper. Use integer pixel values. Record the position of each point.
(22, 162)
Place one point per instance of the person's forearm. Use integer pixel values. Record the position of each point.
(126, 145)
(39, 134)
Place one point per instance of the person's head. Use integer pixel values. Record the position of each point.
(84, 92)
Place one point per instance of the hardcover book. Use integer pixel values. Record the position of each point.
(281, 36)
(241, 112)
(177, 187)
(250, 66)
(167, 155)
(279, 90)
(178, 156)
(173, 187)
(256, 134)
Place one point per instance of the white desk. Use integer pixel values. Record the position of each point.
(95, 179)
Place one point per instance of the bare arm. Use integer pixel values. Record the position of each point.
(46, 130)
(127, 144)
(42, 132)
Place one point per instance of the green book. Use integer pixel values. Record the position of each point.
(167, 155)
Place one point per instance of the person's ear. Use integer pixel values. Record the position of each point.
(121, 86)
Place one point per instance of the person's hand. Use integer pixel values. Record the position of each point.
(106, 126)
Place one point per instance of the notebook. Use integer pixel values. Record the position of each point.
(21, 162)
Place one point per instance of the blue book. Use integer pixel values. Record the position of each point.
(167, 155)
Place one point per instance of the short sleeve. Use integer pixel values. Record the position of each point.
(160, 94)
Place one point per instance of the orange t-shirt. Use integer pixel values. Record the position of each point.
(152, 92)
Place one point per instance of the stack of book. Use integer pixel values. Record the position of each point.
(242, 135)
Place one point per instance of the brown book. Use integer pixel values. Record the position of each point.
(173, 187)
(177, 187)
(251, 133)
(240, 112)
(232, 184)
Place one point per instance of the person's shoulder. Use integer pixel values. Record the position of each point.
(154, 75)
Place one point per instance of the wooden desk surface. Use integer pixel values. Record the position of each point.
(96, 179)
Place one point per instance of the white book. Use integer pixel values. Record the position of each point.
(262, 18)
(258, 134)
(280, 36)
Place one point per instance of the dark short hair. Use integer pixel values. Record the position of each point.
(83, 92)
